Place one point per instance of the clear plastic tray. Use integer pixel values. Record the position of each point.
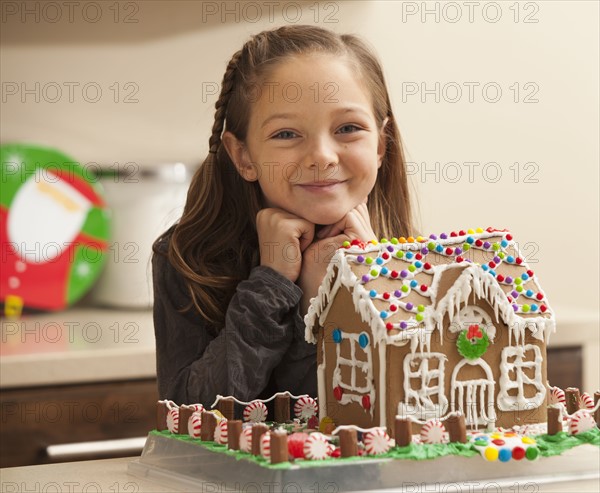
(189, 466)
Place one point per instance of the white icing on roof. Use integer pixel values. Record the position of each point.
(496, 272)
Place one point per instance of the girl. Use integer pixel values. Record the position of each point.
(304, 154)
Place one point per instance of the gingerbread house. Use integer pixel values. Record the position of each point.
(428, 326)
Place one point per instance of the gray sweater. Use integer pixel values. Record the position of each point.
(260, 351)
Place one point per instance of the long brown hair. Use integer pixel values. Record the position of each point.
(215, 244)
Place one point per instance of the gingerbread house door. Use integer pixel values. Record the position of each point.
(472, 392)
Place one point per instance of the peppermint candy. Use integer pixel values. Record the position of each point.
(198, 408)
(557, 396)
(194, 425)
(255, 412)
(305, 407)
(581, 421)
(265, 445)
(433, 432)
(316, 447)
(377, 442)
(173, 420)
(586, 401)
(246, 439)
(221, 432)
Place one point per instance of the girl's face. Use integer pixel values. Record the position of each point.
(312, 142)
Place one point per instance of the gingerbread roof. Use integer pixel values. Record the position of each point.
(403, 288)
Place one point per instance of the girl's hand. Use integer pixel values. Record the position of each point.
(315, 259)
(282, 238)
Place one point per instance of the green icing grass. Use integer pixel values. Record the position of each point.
(548, 445)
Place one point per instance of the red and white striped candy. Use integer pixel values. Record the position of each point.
(586, 401)
(246, 439)
(221, 432)
(557, 396)
(581, 421)
(173, 420)
(377, 442)
(198, 408)
(316, 447)
(306, 407)
(194, 425)
(255, 412)
(265, 445)
(433, 432)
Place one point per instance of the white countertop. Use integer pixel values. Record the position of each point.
(75, 346)
(111, 475)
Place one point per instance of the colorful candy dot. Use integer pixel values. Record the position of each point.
(405, 289)
(336, 334)
(419, 317)
(421, 308)
(338, 392)
(490, 453)
(363, 340)
(409, 306)
(532, 453)
(383, 314)
(403, 325)
(368, 260)
(518, 453)
(504, 455)
(360, 259)
(374, 272)
(379, 261)
(528, 440)
(413, 283)
(372, 293)
(384, 271)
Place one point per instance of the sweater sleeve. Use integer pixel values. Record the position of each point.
(195, 362)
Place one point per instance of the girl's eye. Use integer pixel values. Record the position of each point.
(348, 129)
(285, 134)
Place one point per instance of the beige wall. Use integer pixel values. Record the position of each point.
(542, 182)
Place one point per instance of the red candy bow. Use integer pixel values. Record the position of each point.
(474, 332)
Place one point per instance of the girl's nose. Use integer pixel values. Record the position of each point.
(322, 154)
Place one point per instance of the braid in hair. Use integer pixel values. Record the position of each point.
(227, 87)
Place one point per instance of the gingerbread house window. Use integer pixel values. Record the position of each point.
(424, 386)
(353, 368)
(521, 384)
